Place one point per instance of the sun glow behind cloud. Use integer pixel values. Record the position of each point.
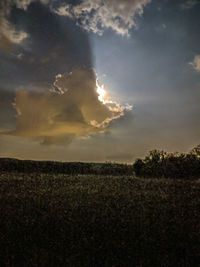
(113, 106)
(101, 92)
(104, 98)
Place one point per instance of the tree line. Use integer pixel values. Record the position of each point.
(169, 165)
(157, 164)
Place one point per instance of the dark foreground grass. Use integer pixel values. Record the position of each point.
(97, 221)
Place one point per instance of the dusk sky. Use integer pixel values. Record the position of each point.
(98, 80)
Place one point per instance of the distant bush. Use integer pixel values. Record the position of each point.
(196, 151)
(169, 165)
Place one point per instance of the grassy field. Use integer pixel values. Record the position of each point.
(97, 221)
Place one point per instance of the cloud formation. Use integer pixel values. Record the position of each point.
(91, 15)
(71, 109)
(9, 35)
(23, 4)
(188, 4)
(196, 63)
(54, 45)
(6, 5)
(97, 15)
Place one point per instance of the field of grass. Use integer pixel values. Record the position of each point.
(98, 221)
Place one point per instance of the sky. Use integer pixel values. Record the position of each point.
(98, 80)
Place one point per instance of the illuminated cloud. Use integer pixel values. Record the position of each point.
(6, 5)
(92, 15)
(23, 4)
(196, 63)
(9, 35)
(71, 110)
(96, 15)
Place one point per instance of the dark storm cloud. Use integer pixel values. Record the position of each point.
(36, 44)
(54, 45)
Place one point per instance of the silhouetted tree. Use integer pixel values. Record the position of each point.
(172, 165)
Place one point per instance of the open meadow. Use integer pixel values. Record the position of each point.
(98, 220)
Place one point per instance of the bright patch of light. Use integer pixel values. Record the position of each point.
(112, 105)
(101, 92)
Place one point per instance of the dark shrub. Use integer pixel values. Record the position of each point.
(174, 165)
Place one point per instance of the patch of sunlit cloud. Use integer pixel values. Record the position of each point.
(76, 106)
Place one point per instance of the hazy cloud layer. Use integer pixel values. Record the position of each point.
(96, 15)
(196, 63)
(189, 4)
(71, 110)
